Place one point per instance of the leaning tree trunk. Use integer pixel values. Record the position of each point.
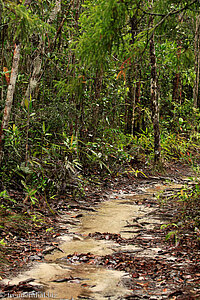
(2, 39)
(197, 61)
(37, 62)
(154, 99)
(9, 99)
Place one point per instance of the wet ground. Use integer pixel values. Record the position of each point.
(114, 252)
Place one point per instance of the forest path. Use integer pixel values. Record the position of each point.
(114, 252)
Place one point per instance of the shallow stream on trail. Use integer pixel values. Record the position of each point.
(121, 214)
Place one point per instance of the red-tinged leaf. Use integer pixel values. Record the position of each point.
(84, 285)
(57, 234)
(38, 250)
(135, 275)
(91, 262)
(145, 285)
(119, 75)
(7, 76)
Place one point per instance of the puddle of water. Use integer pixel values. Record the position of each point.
(89, 281)
(95, 282)
(96, 247)
(111, 217)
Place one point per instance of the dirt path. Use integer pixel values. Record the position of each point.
(115, 251)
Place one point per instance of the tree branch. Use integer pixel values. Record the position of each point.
(172, 12)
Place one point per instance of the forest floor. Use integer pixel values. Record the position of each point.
(153, 268)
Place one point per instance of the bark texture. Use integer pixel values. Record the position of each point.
(130, 101)
(9, 98)
(131, 75)
(37, 62)
(197, 62)
(154, 99)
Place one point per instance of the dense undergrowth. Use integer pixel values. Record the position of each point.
(81, 109)
(29, 189)
(185, 208)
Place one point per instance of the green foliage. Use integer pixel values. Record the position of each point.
(92, 59)
(172, 234)
(101, 28)
(27, 22)
(5, 197)
(187, 216)
(2, 243)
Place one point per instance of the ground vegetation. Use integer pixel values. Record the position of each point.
(92, 91)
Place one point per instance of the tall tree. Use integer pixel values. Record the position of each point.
(197, 61)
(9, 98)
(131, 79)
(37, 61)
(154, 96)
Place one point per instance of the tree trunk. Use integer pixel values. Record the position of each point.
(37, 63)
(2, 47)
(1, 41)
(197, 61)
(97, 93)
(130, 101)
(176, 93)
(9, 99)
(154, 99)
(138, 118)
(131, 97)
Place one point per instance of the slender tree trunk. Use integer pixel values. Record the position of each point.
(130, 101)
(37, 62)
(130, 104)
(1, 9)
(37, 65)
(176, 93)
(97, 91)
(1, 41)
(133, 112)
(2, 48)
(154, 99)
(136, 119)
(197, 61)
(75, 123)
(9, 99)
